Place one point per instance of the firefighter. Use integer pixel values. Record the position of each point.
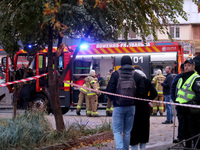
(158, 78)
(92, 97)
(81, 96)
(109, 108)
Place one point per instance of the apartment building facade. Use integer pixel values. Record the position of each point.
(187, 31)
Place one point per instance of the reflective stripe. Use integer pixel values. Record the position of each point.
(161, 107)
(154, 108)
(93, 81)
(95, 113)
(107, 109)
(111, 108)
(84, 90)
(148, 93)
(156, 86)
(66, 84)
(160, 92)
(78, 106)
(91, 93)
(186, 98)
(89, 112)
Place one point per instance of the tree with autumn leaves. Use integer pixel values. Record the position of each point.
(41, 22)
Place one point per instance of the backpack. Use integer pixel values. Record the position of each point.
(126, 86)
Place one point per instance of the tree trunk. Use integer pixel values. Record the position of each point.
(54, 86)
(18, 87)
(74, 56)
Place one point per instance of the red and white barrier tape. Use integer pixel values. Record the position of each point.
(76, 85)
(23, 80)
(172, 103)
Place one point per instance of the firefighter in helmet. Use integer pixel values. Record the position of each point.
(81, 96)
(92, 97)
(158, 78)
(109, 107)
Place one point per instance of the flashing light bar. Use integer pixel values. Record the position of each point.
(84, 46)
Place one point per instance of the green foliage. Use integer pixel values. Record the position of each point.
(26, 131)
(32, 130)
(21, 21)
(109, 19)
(142, 16)
(80, 129)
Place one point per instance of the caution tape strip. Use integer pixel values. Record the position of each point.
(135, 98)
(76, 85)
(23, 80)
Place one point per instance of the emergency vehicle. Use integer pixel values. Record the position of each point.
(101, 57)
(104, 56)
(38, 88)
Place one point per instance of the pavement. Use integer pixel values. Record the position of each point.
(161, 135)
(111, 146)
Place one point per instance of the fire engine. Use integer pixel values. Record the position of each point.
(38, 88)
(104, 56)
(101, 57)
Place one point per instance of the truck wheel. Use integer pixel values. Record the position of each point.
(64, 110)
(39, 102)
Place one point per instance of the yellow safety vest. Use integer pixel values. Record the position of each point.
(185, 93)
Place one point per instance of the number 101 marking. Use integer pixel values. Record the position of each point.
(138, 60)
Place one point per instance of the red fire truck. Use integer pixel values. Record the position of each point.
(104, 56)
(39, 88)
(101, 57)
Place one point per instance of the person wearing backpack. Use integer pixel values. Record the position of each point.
(141, 125)
(124, 81)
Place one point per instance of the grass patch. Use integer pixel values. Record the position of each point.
(26, 131)
(31, 130)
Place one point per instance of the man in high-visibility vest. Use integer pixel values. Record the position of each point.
(92, 97)
(159, 88)
(188, 91)
(173, 93)
(81, 96)
(109, 107)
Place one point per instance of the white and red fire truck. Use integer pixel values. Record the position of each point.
(102, 57)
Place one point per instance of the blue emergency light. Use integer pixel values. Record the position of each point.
(84, 46)
(29, 46)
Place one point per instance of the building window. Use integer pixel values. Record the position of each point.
(149, 37)
(174, 32)
(131, 35)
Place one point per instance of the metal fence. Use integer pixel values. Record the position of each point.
(194, 141)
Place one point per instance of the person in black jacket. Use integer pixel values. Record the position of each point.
(166, 92)
(140, 130)
(123, 114)
(188, 92)
(173, 91)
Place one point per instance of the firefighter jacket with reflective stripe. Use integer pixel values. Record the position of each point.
(93, 83)
(82, 90)
(158, 86)
(184, 90)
